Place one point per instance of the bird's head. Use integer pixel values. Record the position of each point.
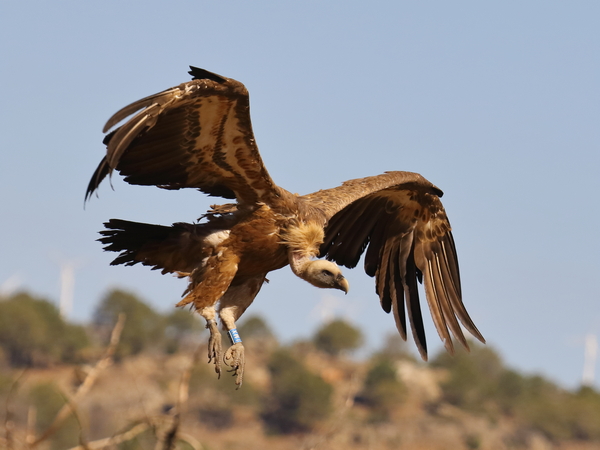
(325, 274)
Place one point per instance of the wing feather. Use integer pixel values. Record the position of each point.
(451, 261)
(132, 108)
(399, 220)
(442, 294)
(398, 290)
(195, 135)
(449, 266)
(383, 279)
(437, 308)
(125, 135)
(376, 242)
(351, 232)
(411, 292)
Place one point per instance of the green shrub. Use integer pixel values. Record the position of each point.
(338, 336)
(396, 348)
(144, 327)
(478, 382)
(472, 377)
(584, 409)
(32, 333)
(255, 327)
(298, 399)
(382, 390)
(544, 406)
(180, 326)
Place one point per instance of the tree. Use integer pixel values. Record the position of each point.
(338, 336)
(255, 327)
(479, 382)
(181, 326)
(299, 399)
(472, 377)
(32, 332)
(382, 390)
(585, 414)
(395, 348)
(144, 327)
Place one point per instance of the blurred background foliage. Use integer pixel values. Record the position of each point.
(291, 389)
(382, 390)
(480, 382)
(337, 337)
(298, 399)
(47, 399)
(32, 333)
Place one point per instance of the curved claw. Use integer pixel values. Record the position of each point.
(234, 358)
(214, 346)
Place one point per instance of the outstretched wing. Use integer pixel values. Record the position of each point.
(195, 135)
(399, 220)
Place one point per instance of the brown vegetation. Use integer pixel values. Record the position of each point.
(304, 396)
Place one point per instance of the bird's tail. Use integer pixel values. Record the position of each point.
(169, 248)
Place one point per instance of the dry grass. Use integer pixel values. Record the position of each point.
(162, 402)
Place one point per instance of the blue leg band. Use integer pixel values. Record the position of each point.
(234, 336)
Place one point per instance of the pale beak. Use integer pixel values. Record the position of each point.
(342, 284)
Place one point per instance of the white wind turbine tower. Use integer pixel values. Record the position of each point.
(589, 360)
(67, 287)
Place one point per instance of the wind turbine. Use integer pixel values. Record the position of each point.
(589, 360)
(67, 288)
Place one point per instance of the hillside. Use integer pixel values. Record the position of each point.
(144, 389)
(134, 394)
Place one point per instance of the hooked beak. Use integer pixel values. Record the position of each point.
(342, 284)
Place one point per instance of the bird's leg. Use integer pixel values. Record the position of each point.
(214, 341)
(208, 284)
(234, 356)
(231, 306)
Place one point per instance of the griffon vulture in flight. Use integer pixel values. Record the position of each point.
(198, 135)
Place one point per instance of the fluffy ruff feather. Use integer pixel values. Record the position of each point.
(304, 239)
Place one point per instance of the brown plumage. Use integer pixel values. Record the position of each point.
(199, 135)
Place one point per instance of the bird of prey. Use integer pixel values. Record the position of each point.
(198, 135)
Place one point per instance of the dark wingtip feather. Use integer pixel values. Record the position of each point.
(411, 294)
(100, 173)
(108, 137)
(201, 74)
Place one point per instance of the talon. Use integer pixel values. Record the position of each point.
(234, 358)
(214, 346)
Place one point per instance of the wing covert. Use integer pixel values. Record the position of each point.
(195, 135)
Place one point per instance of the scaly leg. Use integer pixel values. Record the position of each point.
(234, 356)
(214, 341)
(231, 307)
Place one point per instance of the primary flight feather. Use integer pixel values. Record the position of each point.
(199, 135)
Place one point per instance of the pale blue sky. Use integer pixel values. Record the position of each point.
(496, 103)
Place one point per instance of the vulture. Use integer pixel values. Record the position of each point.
(198, 135)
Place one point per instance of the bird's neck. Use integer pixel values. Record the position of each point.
(299, 263)
(303, 241)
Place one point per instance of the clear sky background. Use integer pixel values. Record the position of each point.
(497, 103)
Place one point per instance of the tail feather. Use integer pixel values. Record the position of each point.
(176, 248)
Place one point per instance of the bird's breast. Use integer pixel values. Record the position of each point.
(258, 244)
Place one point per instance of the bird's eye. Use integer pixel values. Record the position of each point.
(327, 273)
